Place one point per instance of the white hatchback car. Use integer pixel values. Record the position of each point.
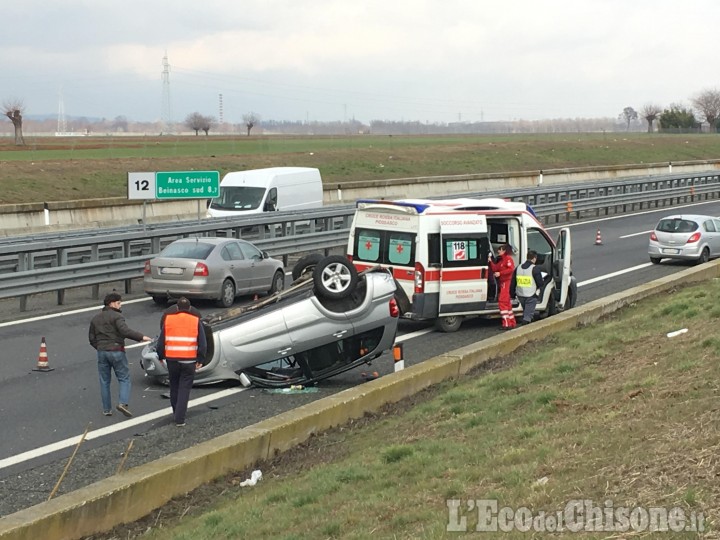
(686, 237)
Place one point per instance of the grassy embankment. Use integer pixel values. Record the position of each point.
(614, 412)
(57, 168)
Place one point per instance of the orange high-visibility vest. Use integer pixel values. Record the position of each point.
(181, 336)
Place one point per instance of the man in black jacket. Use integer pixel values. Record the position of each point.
(107, 334)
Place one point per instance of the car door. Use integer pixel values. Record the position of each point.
(262, 270)
(716, 245)
(563, 263)
(240, 267)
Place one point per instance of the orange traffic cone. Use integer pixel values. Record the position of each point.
(598, 238)
(42, 364)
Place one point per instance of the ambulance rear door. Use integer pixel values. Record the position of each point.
(464, 251)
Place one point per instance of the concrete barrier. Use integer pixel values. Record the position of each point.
(133, 494)
(118, 211)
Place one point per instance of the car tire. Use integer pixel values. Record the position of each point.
(160, 300)
(449, 324)
(571, 298)
(655, 260)
(306, 265)
(227, 294)
(278, 282)
(335, 277)
(704, 256)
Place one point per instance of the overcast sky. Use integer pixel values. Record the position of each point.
(424, 60)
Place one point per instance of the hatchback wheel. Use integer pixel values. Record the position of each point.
(335, 277)
(227, 294)
(306, 265)
(704, 256)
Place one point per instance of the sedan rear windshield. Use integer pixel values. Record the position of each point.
(188, 250)
(677, 225)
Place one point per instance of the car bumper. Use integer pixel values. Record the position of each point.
(687, 252)
(196, 289)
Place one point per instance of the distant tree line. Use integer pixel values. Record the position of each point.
(704, 115)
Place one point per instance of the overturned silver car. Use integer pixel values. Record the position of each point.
(330, 320)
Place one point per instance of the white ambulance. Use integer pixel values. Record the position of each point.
(438, 251)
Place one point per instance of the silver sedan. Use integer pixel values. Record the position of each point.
(687, 237)
(212, 268)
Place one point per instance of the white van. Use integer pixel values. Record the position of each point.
(267, 190)
(438, 252)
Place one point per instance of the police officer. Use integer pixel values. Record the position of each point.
(182, 344)
(528, 284)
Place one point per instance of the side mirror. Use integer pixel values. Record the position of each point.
(265, 255)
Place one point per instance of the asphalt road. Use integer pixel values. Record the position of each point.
(43, 414)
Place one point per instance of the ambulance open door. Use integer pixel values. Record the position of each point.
(464, 251)
(564, 262)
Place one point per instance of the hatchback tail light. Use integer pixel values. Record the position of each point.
(146, 270)
(653, 236)
(394, 309)
(419, 278)
(201, 269)
(694, 237)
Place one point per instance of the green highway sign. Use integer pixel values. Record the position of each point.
(187, 184)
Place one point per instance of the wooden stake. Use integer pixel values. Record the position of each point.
(77, 447)
(124, 459)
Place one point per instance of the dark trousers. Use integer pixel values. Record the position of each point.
(181, 381)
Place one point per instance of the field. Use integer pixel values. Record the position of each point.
(69, 168)
(616, 413)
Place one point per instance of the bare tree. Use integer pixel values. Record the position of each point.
(250, 120)
(13, 109)
(707, 104)
(650, 113)
(628, 115)
(209, 122)
(196, 122)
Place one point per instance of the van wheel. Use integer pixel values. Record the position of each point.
(571, 299)
(449, 324)
(306, 265)
(335, 277)
(278, 282)
(227, 294)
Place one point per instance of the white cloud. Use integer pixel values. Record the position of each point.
(323, 59)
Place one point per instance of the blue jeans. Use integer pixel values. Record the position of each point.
(109, 361)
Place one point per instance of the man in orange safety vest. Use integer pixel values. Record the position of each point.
(182, 344)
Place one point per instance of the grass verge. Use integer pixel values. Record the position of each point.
(616, 413)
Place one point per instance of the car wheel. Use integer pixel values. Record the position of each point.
(571, 298)
(449, 324)
(335, 277)
(160, 300)
(655, 260)
(278, 282)
(306, 265)
(704, 256)
(227, 294)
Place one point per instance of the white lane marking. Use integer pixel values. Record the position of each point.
(130, 422)
(635, 234)
(415, 334)
(63, 313)
(614, 274)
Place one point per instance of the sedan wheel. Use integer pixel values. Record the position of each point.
(655, 260)
(227, 294)
(160, 300)
(278, 282)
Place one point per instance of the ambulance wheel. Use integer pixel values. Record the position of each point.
(449, 324)
(306, 265)
(335, 277)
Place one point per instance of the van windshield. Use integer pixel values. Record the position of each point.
(238, 198)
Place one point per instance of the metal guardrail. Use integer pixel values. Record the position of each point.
(120, 255)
